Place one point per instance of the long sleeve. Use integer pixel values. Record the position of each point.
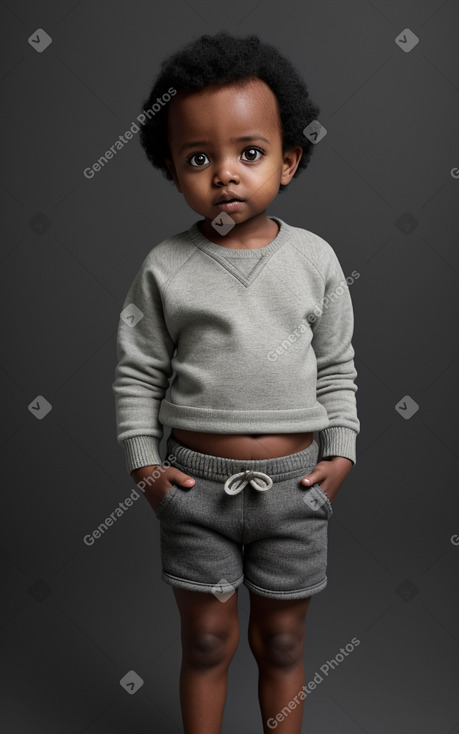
(144, 352)
(336, 372)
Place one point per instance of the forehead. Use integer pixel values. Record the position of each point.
(224, 110)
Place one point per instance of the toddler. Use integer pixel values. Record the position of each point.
(253, 319)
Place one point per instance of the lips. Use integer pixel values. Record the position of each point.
(230, 206)
(227, 198)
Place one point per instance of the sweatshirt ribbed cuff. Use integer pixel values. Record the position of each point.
(141, 451)
(338, 441)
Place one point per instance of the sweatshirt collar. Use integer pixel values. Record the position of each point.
(212, 248)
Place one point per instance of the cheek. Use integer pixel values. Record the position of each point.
(199, 185)
(266, 181)
(194, 186)
(193, 191)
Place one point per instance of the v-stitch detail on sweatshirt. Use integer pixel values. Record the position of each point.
(245, 265)
(245, 278)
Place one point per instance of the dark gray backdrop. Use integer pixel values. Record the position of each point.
(382, 187)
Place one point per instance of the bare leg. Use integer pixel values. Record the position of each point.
(276, 638)
(210, 636)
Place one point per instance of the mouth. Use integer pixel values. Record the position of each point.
(228, 201)
(228, 198)
(229, 204)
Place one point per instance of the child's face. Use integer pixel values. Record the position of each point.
(213, 120)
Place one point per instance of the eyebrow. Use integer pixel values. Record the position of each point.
(243, 138)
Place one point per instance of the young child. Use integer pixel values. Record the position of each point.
(254, 318)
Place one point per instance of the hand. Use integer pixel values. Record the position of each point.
(155, 488)
(329, 473)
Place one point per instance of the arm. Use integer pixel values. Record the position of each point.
(336, 372)
(144, 352)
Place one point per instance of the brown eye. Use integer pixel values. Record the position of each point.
(252, 152)
(199, 156)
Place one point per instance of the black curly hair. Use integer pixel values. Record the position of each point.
(225, 59)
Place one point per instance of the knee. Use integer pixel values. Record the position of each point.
(210, 648)
(283, 649)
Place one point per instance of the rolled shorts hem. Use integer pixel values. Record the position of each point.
(207, 588)
(195, 585)
(295, 594)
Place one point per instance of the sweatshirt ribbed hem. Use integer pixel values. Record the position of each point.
(338, 441)
(334, 441)
(141, 451)
(223, 420)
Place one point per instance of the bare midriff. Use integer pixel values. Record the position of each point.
(243, 446)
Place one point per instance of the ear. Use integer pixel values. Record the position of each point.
(291, 158)
(171, 168)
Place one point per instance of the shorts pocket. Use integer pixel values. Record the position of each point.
(317, 500)
(323, 499)
(166, 501)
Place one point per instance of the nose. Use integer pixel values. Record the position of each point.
(225, 173)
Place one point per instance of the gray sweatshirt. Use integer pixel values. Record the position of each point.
(256, 341)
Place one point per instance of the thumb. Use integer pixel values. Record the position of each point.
(309, 479)
(181, 478)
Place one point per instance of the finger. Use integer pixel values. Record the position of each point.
(184, 479)
(309, 479)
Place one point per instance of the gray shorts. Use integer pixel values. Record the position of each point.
(262, 528)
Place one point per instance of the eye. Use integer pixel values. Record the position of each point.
(197, 155)
(254, 150)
